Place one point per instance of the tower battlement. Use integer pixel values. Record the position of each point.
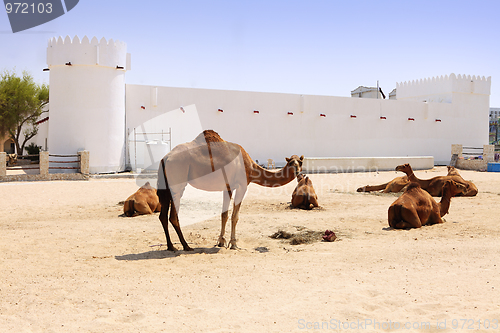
(87, 52)
(441, 88)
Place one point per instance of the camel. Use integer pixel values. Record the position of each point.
(435, 185)
(209, 163)
(471, 189)
(394, 186)
(416, 207)
(143, 201)
(12, 159)
(304, 196)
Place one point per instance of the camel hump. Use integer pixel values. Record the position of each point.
(212, 136)
(412, 186)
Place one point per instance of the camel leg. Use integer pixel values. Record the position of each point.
(143, 208)
(234, 220)
(402, 218)
(224, 215)
(314, 201)
(164, 223)
(240, 193)
(174, 217)
(410, 219)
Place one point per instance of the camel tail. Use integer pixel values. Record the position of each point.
(128, 208)
(162, 189)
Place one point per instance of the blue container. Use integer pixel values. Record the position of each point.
(493, 167)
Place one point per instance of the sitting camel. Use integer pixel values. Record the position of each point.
(209, 163)
(471, 189)
(394, 186)
(416, 207)
(12, 159)
(144, 201)
(435, 185)
(304, 196)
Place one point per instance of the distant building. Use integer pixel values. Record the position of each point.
(7, 145)
(392, 94)
(368, 92)
(494, 114)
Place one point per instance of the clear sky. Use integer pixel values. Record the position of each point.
(310, 47)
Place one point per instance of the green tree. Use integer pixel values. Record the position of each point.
(22, 102)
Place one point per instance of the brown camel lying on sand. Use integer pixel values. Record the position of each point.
(209, 163)
(471, 189)
(395, 185)
(435, 185)
(12, 159)
(416, 207)
(304, 196)
(144, 201)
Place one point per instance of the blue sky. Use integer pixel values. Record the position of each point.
(310, 47)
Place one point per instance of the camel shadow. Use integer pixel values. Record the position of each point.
(164, 254)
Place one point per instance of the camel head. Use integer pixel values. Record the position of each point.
(406, 168)
(454, 187)
(452, 171)
(295, 162)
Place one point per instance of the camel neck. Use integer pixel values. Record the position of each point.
(269, 178)
(444, 204)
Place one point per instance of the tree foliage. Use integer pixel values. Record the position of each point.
(22, 102)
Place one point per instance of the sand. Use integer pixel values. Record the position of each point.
(70, 262)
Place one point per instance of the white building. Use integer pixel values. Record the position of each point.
(125, 125)
(494, 114)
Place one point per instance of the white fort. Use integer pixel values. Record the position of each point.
(87, 100)
(91, 108)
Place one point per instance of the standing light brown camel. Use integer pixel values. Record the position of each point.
(416, 207)
(304, 196)
(435, 185)
(209, 163)
(395, 185)
(143, 201)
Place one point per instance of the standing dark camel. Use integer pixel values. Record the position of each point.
(212, 164)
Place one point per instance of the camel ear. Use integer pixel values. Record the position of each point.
(302, 157)
(287, 159)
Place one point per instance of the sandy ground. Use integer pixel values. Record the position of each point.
(71, 263)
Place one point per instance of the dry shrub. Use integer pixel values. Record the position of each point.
(303, 236)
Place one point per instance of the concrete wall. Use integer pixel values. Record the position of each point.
(350, 127)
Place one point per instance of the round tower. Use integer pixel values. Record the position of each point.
(87, 100)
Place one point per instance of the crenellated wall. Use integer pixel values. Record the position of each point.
(442, 88)
(318, 126)
(87, 52)
(92, 109)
